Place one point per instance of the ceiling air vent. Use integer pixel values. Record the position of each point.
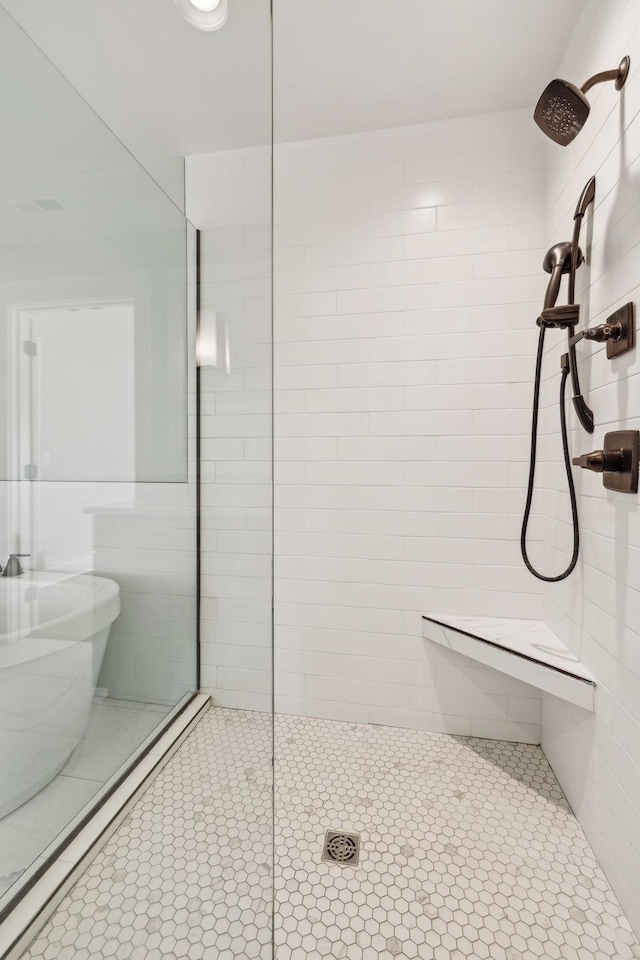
(44, 205)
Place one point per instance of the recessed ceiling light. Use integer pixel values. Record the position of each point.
(204, 14)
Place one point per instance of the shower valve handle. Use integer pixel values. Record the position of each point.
(601, 334)
(618, 332)
(598, 461)
(617, 462)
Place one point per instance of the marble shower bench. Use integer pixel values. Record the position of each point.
(526, 649)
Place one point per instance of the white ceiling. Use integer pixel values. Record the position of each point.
(163, 87)
(340, 65)
(349, 65)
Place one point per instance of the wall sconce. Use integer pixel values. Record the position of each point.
(213, 348)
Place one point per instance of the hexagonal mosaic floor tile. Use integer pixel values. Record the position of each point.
(468, 850)
(188, 873)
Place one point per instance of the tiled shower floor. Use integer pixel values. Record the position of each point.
(115, 729)
(468, 850)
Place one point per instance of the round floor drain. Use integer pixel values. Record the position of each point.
(342, 848)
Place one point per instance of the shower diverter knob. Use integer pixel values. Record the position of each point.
(617, 462)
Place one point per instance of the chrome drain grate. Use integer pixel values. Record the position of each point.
(342, 848)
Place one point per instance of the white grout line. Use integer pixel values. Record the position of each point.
(37, 906)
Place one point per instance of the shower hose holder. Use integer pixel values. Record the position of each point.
(561, 317)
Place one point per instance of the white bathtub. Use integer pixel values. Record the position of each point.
(53, 634)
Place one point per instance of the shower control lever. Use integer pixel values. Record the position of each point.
(601, 333)
(599, 461)
(617, 462)
(618, 332)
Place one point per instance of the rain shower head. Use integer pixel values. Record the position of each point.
(561, 111)
(563, 108)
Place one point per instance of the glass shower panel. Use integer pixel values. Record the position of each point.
(98, 479)
(229, 197)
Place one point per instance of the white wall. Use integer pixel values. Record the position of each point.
(597, 611)
(407, 282)
(407, 273)
(229, 200)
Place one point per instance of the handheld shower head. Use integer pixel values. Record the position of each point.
(557, 261)
(562, 110)
(557, 256)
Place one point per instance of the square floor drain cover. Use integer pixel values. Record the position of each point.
(342, 848)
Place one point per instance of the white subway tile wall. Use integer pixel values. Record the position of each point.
(597, 757)
(406, 283)
(228, 197)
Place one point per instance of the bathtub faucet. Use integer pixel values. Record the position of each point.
(14, 567)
